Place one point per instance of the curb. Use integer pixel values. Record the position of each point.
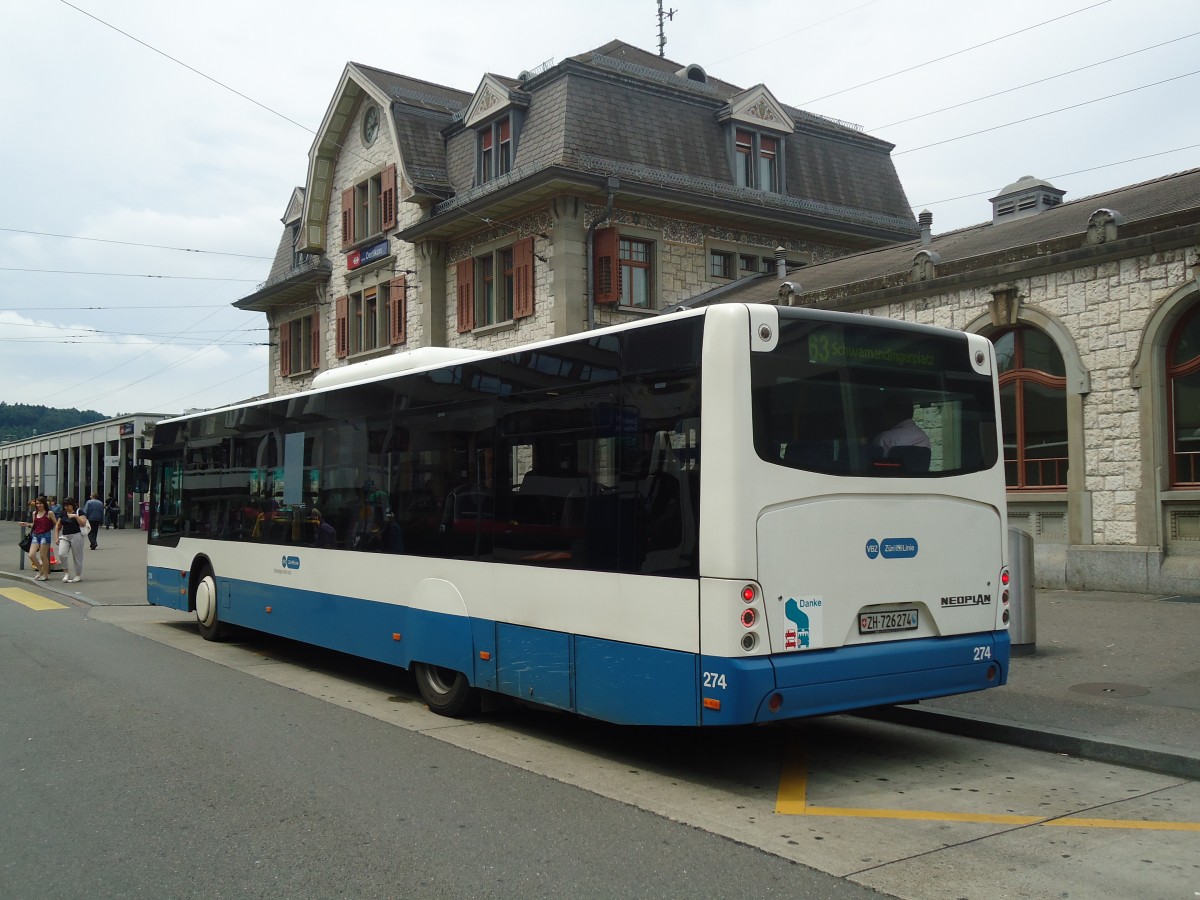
(50, 586)
(1149, 757)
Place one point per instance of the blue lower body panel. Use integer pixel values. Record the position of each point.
(167, 587)
(611, 680)
(844, 678)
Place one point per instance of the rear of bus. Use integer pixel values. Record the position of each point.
(839, 573)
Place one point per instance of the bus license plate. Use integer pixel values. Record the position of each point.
(881, 622)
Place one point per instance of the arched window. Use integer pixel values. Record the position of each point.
(1183, 391)
(1033, 409)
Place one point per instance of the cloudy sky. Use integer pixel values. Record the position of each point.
(149, 148)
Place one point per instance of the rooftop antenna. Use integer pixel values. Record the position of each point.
(662, 36)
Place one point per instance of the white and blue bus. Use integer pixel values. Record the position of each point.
(684, 521)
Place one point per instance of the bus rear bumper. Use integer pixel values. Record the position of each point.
(797, 685)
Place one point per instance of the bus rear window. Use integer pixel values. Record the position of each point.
(848, 399)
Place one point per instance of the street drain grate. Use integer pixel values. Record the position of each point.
(1110, 689)
(1180, 599)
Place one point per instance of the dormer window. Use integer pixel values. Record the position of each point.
(495, 149)
(756, 160)
(757, 128)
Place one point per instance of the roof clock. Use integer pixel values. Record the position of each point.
(370, 126)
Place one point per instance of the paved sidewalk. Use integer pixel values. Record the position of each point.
(1115, 677)
(113, 575)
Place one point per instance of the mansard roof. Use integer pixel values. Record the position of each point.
(621, 111)
(1145, 212)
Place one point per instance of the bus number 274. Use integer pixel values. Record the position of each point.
(714, 680)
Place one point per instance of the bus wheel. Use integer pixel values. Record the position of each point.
(211, 627)
(446, 691)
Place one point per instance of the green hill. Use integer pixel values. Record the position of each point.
(19, 421)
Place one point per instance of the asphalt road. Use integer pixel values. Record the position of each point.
(130, 769)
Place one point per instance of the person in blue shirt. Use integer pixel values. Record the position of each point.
(93, 511)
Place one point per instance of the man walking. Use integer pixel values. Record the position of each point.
(93, 509)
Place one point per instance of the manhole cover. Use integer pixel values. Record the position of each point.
(1109, 689)
(1180, 599)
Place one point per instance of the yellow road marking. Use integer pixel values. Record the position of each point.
(791, 800)
(30, 599)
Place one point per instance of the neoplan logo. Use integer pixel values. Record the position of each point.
(968, 600)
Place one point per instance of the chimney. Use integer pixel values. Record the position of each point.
(780, 263)
(925, 220)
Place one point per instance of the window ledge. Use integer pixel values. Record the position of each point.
(1026, 495)
(363, 355)
(639, 310)
(496, 328)
(366, 241)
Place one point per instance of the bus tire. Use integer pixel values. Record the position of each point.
(445, 691)
(205, 597)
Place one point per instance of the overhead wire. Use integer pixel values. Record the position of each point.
(124, 274)
(77, 237)
(1120, 162)
(1044, 114)
(1031, 83)
(938, 59)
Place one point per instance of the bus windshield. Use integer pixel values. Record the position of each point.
(860, 400)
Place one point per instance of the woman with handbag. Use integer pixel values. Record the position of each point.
(43, 526)
(73, 528)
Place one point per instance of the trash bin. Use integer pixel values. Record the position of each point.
(1022, 624)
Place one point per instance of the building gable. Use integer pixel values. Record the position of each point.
(758, 107)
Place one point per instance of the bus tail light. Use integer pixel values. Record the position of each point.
(749, 641)
(749, 617)
(750, 593)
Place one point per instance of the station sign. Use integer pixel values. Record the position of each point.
(366, 255)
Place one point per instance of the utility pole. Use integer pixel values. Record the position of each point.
(662, 36)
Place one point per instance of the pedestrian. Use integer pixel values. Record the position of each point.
(43, 526)
(54, 506)
(112, 509)
(93, 510)
(70, 540)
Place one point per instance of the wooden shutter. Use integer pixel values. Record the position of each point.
(606, 267)
(398, 309)
(387, 197)
(347, 217)
(523, 278)
(315, 321)
(466, 295)
(285, 348)
(343, 327)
